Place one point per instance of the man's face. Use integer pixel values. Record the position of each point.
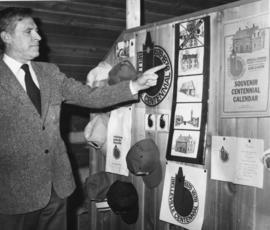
(22, 43)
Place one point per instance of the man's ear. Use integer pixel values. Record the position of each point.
(5, 36)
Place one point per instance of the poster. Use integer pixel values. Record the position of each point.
(237, 160)
(246, 67)
(125, 49)
(183, 197)
(189, 106)
(118, 140)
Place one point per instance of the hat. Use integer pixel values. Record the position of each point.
(97, 185)
(183, 201)
(122, 198)
(99, 75)
(143, 160)
(95, 131)
(122, 71)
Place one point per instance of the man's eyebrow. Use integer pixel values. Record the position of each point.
(31, 28)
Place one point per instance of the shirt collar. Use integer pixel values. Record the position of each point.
(14, 65)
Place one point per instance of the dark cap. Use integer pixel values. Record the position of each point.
(122, 71)
(122, 198)
(97, 185)
(143, 159)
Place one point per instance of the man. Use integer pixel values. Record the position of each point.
(35, 173)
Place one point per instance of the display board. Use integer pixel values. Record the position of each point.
(190, 95)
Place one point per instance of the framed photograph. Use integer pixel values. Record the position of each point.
(191, 34)
(189, 89)
(190, 61)
(188, 116)
(185, 143)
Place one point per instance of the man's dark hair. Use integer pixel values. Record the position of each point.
(9, 17)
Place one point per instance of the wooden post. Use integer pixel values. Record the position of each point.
(133, 13)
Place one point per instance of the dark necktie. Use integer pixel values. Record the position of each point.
(31, 88)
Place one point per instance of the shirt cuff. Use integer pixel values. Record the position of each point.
(132, 89)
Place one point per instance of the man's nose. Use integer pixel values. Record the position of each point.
(36, 36)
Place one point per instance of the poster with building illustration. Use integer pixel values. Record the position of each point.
(246, 67)
(190, 97)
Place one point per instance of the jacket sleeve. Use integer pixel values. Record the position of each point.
(74, 92)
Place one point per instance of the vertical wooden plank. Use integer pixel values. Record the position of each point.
(262, 216)
(150, 194)
(92, 169)
(133, 12)
(139, 134)
(149, 199)
(262, 195)
(164, 38)
(230, 196)
(225, 191)
(211, 203)
(245, 197)
(224, 218)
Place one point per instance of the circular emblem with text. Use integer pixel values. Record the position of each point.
(154, 95)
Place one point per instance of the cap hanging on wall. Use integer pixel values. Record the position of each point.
(122, 198)
(97, 185)
(122, 71)
(143, 159)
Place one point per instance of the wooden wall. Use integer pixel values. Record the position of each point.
(228, 206)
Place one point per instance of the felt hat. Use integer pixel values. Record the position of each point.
(122, 198)
(95, 131)
(143, 159)
(122, 71)
(98, 75)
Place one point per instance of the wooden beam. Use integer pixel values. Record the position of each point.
(133, 12)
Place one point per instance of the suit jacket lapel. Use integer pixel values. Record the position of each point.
(11, 85)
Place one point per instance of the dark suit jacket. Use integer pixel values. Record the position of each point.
(32, 154)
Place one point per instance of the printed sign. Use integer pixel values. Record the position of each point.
(237, 160)
(151, 56)
(118, 140)
(183, 197)
(246, 72)
(125, 49)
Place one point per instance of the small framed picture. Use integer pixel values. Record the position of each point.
(189, 88)
(188, 116)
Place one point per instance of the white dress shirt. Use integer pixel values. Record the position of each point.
(15, 67)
